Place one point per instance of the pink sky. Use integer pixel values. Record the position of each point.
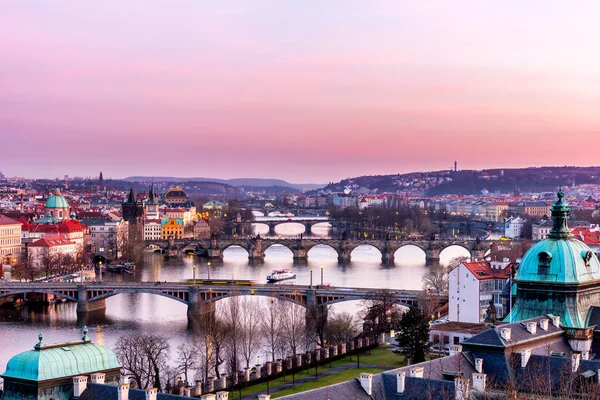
(308, 91)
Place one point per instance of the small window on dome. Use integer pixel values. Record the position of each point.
(587, 257)
(544, 260)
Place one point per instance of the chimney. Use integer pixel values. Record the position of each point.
(198, 388)
(531, 327)
(461, 388)
(79, 385)
(400, 382)
(575, 357)
(525, 354)
(98, 378)
(479, 380)
(416, 372)
(544, 324)
(124, 379)
(479, 365)
(210, 396)
(123, 391)
(505, 333)
(556, 321)
(188, 392)
(151, 393)
(455, 349)
(585, 355)
(366, 381)
(222, 395)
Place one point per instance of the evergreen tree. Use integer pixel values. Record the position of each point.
(413, 335)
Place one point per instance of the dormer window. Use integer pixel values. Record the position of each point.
(587, 257)
(544, 260)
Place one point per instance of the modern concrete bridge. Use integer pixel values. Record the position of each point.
(201, 299)
(256, 246)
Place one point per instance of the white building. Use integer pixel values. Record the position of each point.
(541, 229)
(513, 227)
(107, 237)
(472, 285)
(152, 229)
(41, 249)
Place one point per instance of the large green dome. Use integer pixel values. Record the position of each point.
(56, 201)
(565, 260)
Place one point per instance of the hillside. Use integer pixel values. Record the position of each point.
(250, 182)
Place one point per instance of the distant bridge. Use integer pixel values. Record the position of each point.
(242, 228)
(256, 247)
(201, 299)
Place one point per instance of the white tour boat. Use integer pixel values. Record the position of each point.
(280, 275)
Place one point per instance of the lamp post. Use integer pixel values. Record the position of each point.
(209, 270)
(100, 269)
(321, 275)
(310, 278)
(194, 274)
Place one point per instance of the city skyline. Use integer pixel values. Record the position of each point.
(306, 92)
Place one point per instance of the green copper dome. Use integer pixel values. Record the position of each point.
(556, 274)
(56, 201)
(61, 361)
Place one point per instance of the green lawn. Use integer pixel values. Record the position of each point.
(329, 380)
(381, 356)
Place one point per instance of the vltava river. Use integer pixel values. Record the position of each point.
(127, 313)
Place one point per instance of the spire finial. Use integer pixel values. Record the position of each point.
(84, 331)
(560, 194)
(40, 338)
(560, 216)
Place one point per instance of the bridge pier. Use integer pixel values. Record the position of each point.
(387, 257)
(271, 230)
(84, 305)
(432, 254)
(307, 227)
(316, 315)
(255, 250)
(198, 311)
(300, 254)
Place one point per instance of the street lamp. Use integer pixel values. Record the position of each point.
(100, 269)
(321, 275)
(209, 270)
(194, 274)
(311, 277)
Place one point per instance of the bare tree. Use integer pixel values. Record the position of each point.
(232, 313)
(186, 360)
(341, 328)
(143, 356)
(271, 326)
(212, 344)
(436, 279)
(250, 329)
(293, 324)
(380, 310)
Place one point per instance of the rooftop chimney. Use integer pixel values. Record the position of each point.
(416, 372)
(505, 333)
(479, 381)
(98, 377)
(455, 349)
(366, 381)
(151, 393)
(544, 324)
(531, 327)
(585, 355)
(222, 395)
(525, 354)
(400, 379)
(479, 365)
(556, 321)
(575, 357)
(79, 385)
(461, 388)
(123, 391)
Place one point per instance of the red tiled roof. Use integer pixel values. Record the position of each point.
(482, 270)
(51, 242)
(8, 221)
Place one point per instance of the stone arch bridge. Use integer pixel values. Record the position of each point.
(256, 247)
(201, 299)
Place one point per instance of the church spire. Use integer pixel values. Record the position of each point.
(132, 195)
(152, 195)
(560, 216)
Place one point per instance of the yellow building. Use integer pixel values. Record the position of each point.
(10, 240)
(171, 227)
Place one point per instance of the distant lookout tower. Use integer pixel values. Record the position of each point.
(455, 166)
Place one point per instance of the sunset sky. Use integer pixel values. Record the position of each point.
(307, 91)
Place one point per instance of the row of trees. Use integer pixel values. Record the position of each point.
(247, 328)
(51, 263)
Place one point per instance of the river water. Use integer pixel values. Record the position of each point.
(129, 313)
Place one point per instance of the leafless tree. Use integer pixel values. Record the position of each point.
(143, 356)
(271, 326)
(341, 328)
(232, 315)
(250, 328)
(436, 278)
(293, 324)
(212, 344)
(187, 359)
(380, 310)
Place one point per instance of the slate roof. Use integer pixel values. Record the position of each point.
(95, 391)
(350, 390)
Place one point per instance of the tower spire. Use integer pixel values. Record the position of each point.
(132, 195)
(560, 216)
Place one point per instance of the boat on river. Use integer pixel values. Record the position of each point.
(280, 275)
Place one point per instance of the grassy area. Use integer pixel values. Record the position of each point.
(329, 380)
(381, 356)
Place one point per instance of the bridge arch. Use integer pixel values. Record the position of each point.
(410, 249)
(237, 243)
(269, 246)
(452, 250)
(370, 246)
(181, 296)
(298, 299)
(68, 294)
(325, 247)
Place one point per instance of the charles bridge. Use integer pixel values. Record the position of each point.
(256, 246)
(200, 299)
